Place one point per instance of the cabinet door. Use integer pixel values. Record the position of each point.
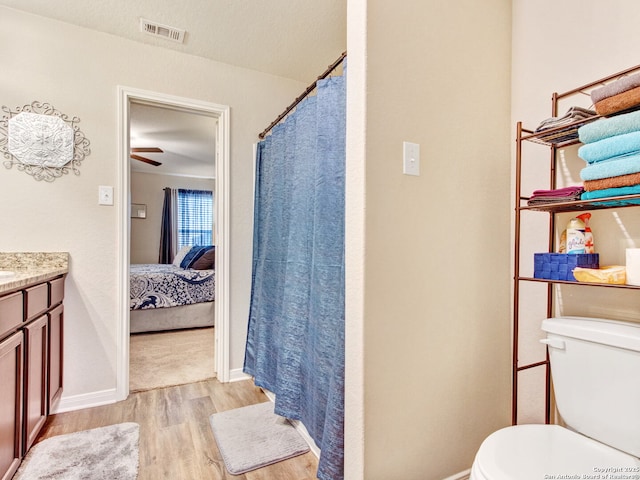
(11, 377)
(35, 392)
(56, 339)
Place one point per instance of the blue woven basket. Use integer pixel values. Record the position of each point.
(559, 266)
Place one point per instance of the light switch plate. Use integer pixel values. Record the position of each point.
(105, 195)
(410, 158)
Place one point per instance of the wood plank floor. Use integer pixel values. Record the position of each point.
(176, 441)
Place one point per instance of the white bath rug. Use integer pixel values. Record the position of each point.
(253, 437)
(105, 453)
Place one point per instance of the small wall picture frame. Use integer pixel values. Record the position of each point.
(138, 210)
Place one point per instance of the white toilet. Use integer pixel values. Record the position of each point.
(595, 367)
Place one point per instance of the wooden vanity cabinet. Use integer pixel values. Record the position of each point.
(31, 351)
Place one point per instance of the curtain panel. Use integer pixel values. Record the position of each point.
(295, 341)
(168, 227)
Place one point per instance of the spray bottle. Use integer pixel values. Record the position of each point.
(575, 236)
(589, 246)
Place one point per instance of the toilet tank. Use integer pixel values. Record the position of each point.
(595, 369)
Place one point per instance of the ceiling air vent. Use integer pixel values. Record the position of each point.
(162, 31)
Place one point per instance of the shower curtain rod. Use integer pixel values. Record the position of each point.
(308, 90)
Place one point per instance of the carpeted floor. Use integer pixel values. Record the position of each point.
(163, 359)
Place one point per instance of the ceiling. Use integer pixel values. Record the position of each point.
(187, 141)
(294, 39)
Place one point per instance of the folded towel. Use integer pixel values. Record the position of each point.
(610, 147)
(566, 194)
(612, 168)
(619, 203)
(611, 192)
(612, 182)
(614, 88)
(608, 127)
(558, 192)
(546, 200)
(572, 115)
(618, 103)
(563, 129)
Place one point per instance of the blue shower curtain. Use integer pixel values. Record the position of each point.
(295, 342)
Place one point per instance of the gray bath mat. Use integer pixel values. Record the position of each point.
(106, 453)
(253, 437)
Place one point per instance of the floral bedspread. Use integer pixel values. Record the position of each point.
(159, 286)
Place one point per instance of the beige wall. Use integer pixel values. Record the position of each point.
(580, 42)
(434, 254)
(147, 188)
(78, 72)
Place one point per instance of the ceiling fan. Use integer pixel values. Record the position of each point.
(145, 159)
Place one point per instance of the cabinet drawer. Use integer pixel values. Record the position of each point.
(37, 300)
(11, 312)
(57, 291)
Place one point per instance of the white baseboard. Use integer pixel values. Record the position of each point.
(105, 397)
(86, 400)
(300, 428)
(460, 476)
(237, 375)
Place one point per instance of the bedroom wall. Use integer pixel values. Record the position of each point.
(148, 188)
(558, 46)
(78, 71)
(427, 256)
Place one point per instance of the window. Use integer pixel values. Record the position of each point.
(195, 217)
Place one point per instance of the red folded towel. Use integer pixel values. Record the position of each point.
(557, 195)
(558, 192)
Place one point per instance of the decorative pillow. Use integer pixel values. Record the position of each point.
(207, 261)
(191, 254)
(177, 260)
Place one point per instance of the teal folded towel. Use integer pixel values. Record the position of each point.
(626, 144)
(611, 192)
(609, 127)
(619, 203)
(611, 168)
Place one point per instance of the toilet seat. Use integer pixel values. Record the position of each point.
(536, 452)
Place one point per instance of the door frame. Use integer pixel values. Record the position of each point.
(127, 95)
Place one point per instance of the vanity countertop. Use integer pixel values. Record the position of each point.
(31, 268)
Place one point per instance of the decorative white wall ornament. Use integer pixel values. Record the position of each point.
(42, 141)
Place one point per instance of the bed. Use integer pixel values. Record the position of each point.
(169, 297)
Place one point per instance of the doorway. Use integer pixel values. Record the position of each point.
(127, 98)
